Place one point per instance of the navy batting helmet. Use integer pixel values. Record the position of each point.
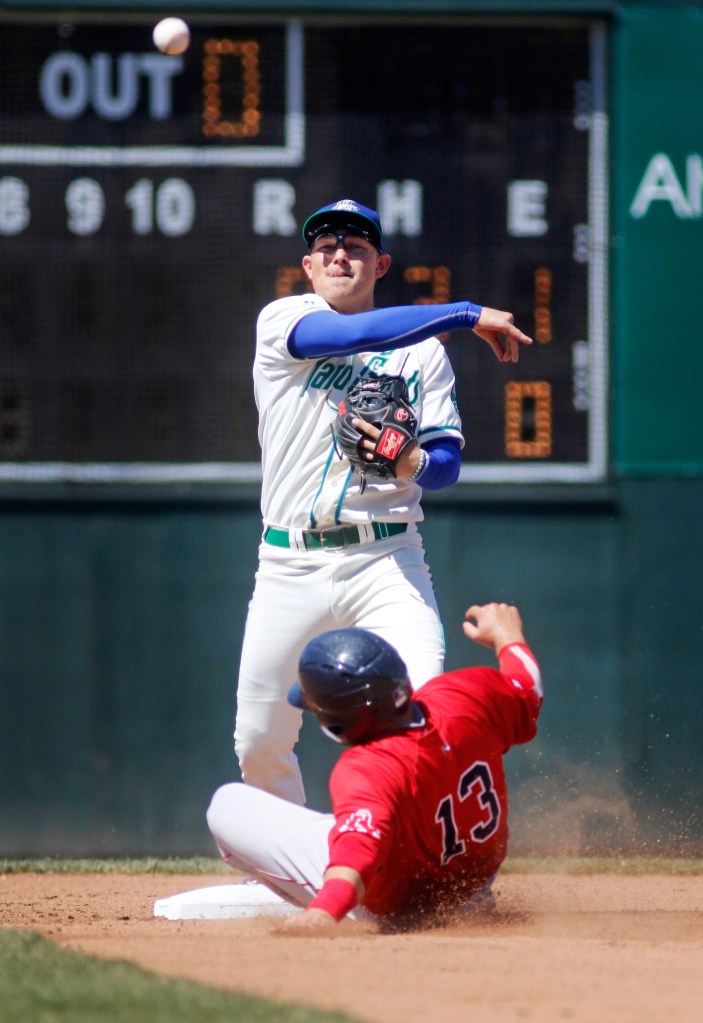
(354, 682)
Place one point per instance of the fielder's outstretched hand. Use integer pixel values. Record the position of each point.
(494, 625)
(499, 330)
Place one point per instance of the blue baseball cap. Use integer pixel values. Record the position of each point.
(345, 213)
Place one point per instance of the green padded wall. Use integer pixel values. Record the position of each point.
(658, 240)
(120, 637)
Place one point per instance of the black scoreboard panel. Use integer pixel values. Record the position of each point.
(151, 206)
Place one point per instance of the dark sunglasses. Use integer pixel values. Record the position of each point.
(341, 235)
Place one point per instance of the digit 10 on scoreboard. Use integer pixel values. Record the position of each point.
(150, 206)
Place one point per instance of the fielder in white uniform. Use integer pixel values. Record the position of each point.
(334, 554)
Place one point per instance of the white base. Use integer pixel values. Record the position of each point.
(224, 902)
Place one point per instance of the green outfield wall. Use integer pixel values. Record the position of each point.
(122, 609)
(120, 638)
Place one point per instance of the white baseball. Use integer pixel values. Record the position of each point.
(171, 36)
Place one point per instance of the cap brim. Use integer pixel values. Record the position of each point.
(295, 696)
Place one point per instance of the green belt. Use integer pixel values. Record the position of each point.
(337, 536)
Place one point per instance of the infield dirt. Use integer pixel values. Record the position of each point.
(581, 948)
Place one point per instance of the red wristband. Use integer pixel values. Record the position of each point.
(337, 896)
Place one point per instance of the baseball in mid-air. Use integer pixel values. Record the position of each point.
(171, 36)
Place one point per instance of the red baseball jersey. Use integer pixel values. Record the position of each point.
(422, 815)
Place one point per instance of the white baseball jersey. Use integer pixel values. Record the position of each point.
(306, 484)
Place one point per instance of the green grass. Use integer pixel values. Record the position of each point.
(204, 865)
(43, 983)
(145, 865)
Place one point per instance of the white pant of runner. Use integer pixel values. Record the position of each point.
(277, 842)
(384, 586)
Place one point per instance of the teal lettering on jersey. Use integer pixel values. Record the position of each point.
(322, 375)
(340, 381)
(330, 376)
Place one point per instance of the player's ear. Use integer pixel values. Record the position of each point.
(307, 266)
(382, 266)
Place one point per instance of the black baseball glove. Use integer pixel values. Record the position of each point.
(382, 401)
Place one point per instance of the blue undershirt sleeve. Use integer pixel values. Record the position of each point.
(443, 464)
(324, 332)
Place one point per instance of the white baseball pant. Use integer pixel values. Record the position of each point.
(384, 586)
(275, 841)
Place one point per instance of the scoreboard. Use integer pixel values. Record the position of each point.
(150, 206)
